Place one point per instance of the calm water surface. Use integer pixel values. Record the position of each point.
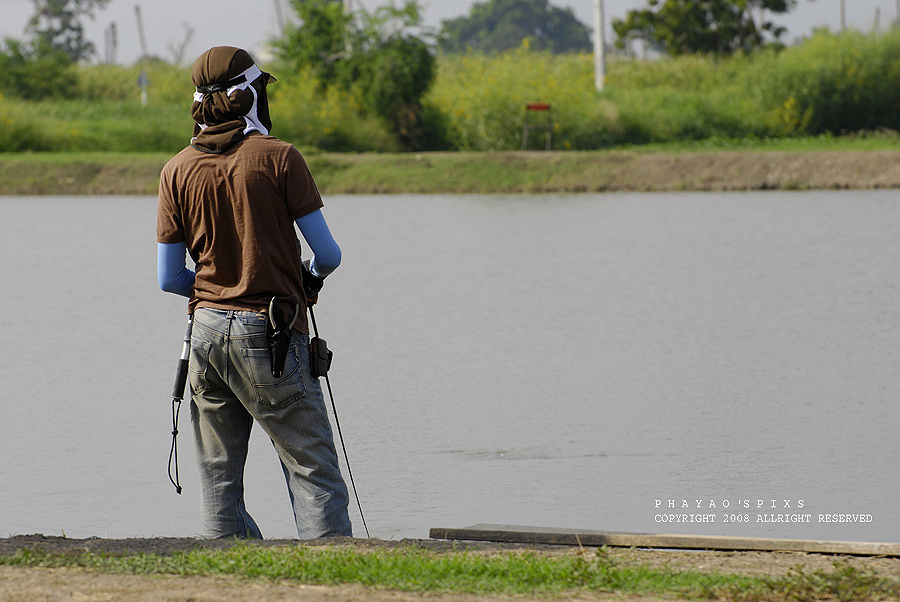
(594, 361)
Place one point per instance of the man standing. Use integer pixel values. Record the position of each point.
(230, 200)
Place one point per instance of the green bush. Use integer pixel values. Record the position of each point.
(33, 71)
(483, 98)
(16, 133)
(372, 56)
(684, 98)
(332, 119)
(79, 125)
(831, 84)
(168, 84)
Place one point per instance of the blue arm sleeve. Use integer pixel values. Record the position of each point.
(173, 275)
(326, 252)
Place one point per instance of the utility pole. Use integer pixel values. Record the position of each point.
(279, 16)
(843, 15)
(112, 42)
(143, 80)
(599, 50)
(140, 24)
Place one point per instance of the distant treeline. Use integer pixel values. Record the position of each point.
(829, 84)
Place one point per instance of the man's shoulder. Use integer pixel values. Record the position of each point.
(268, 142)
(186, 154)
(279, 152)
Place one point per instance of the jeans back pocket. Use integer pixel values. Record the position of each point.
(198, 365)
(265, 388)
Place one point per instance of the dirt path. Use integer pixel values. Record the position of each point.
(58, 584)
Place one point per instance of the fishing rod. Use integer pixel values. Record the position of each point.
(319, 363)
(177, 397)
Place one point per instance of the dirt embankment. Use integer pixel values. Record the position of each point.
(498, 172)
(59, 584)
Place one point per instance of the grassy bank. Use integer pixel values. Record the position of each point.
(827, 84)
(859, 162)
(413, 569)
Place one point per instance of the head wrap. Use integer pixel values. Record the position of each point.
(230, 101)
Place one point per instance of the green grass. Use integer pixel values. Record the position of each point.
(860, 141)
(502, 573)
(827, 85)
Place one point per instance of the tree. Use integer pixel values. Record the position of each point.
(321, 39)
(372, 53)
(57, 24)
(498, 25)
(704, 26)
(35, 71)
(41, 67)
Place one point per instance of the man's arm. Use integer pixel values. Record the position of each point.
(171, 270)
(326, 252)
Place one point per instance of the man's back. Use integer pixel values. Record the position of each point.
(235, 213)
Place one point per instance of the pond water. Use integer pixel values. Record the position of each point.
(622, 362)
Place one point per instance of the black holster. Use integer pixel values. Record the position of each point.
(319, 357)
(278, 333)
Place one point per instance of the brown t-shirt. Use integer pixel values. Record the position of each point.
(235, 212)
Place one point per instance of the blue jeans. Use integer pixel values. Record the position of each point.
(231, 386)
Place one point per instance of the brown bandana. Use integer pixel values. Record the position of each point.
(230, 101)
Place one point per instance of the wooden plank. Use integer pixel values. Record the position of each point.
(591, 538)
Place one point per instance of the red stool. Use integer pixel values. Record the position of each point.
(538, 117)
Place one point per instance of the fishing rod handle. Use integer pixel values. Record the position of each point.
(182, 371)
(186, 346)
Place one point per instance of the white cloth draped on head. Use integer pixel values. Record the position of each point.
(249, 75)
